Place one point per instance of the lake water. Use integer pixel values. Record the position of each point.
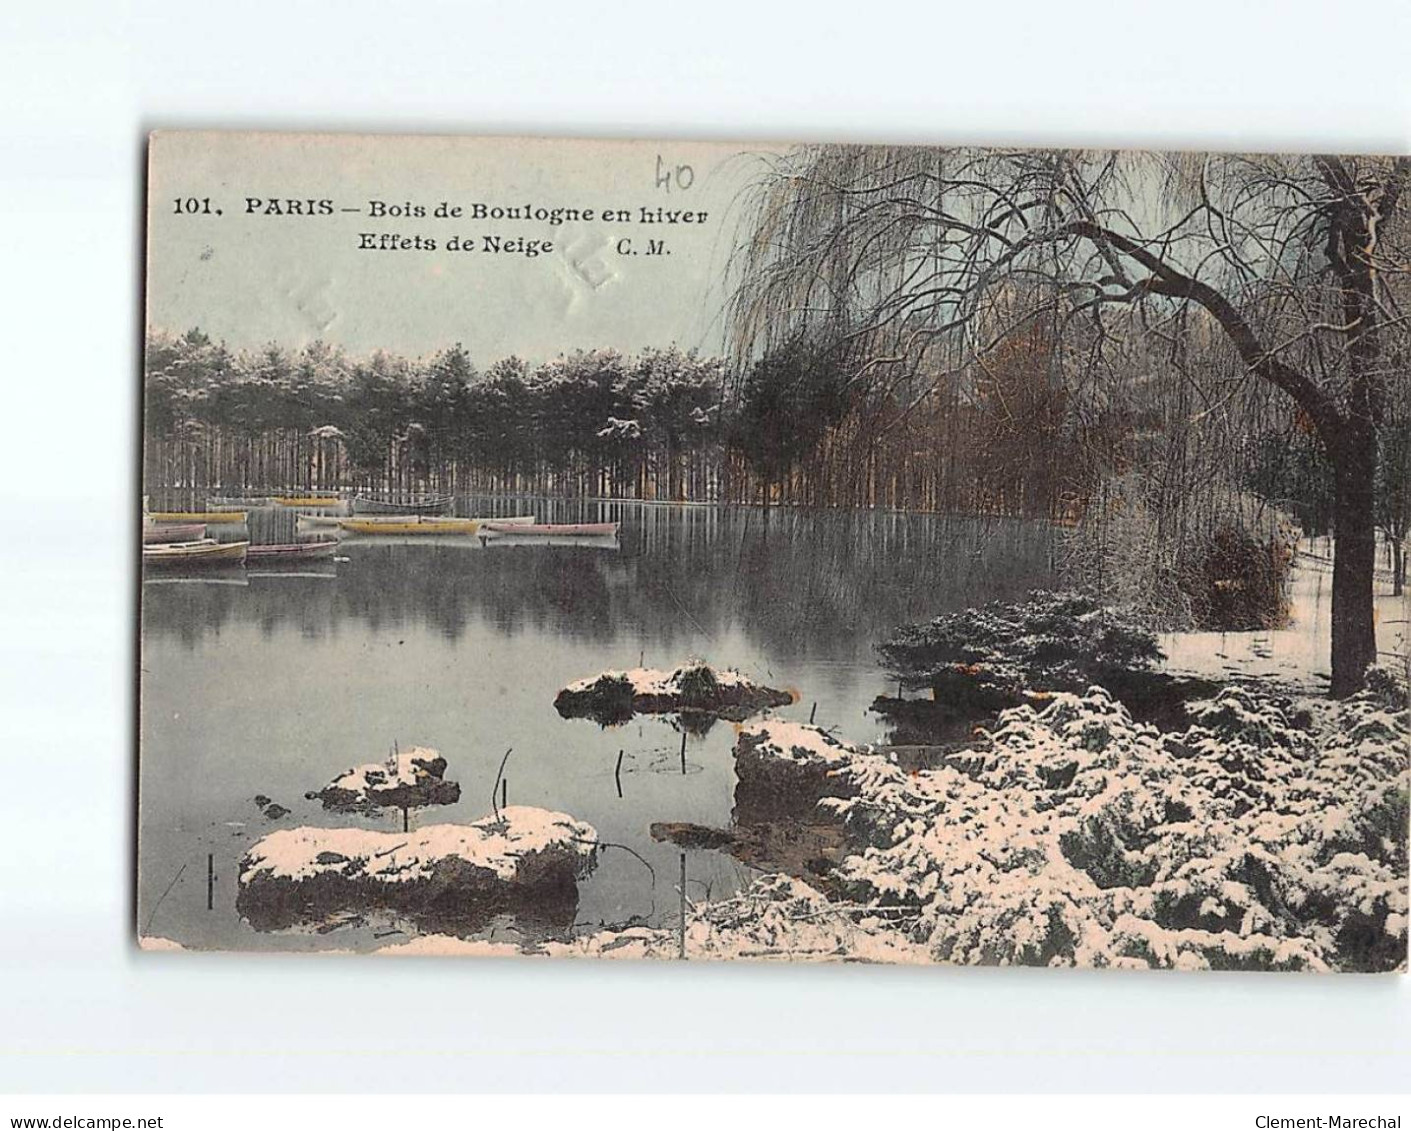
(269, 682)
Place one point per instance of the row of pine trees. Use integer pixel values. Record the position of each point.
(662, 424)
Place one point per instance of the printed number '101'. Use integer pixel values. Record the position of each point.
(193, 206)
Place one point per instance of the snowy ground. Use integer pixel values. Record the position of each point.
(1295, 656)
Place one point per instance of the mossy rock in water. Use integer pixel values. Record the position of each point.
(607, 700)
(685, 834)
(696, 689)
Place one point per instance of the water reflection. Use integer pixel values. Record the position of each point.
(798, 584)
(263, 682)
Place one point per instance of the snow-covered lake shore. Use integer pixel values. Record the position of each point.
(1268, 835)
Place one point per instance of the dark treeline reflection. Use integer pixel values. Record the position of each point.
(798, 584)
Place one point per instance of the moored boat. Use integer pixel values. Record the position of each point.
(412, 524)
(203, 551)
(197, 516)
(552, 529)
(381, 519)
(505, 540)
(513, 520)
(236, 503)
(308, 500)
(425, 504)
(270, 554)
(173, 532)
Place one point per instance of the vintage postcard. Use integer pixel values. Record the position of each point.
(775, 552)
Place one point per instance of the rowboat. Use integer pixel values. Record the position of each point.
(291, 552)
(413, 524)
(203, 551)
(197, 516)
(308, 500)
(514, 520)
(233, 503)
(426, 504)
(171, 532)
(505, 540)
(552, 529)
(381, 519)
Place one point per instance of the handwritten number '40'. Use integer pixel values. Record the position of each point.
(680, 176)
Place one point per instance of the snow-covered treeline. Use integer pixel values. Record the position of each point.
(589, 423)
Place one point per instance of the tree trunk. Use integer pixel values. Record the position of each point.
(1354, 560)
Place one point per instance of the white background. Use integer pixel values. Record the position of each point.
(79, 86)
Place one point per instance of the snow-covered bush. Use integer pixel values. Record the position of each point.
(776, 918)
(1388, 685)
(783, 768)
(988, 657)
(698, 685)
(1265, 836)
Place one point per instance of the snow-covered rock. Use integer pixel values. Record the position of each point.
(614, 696)
(408, 779)
(783, 768)
(526, 856)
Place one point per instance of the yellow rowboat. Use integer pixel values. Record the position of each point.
(394, 519)
(197, 516)
(419, 524)
(204, 551)
(308, 500)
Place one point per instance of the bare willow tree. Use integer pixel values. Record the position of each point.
(907, 260)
